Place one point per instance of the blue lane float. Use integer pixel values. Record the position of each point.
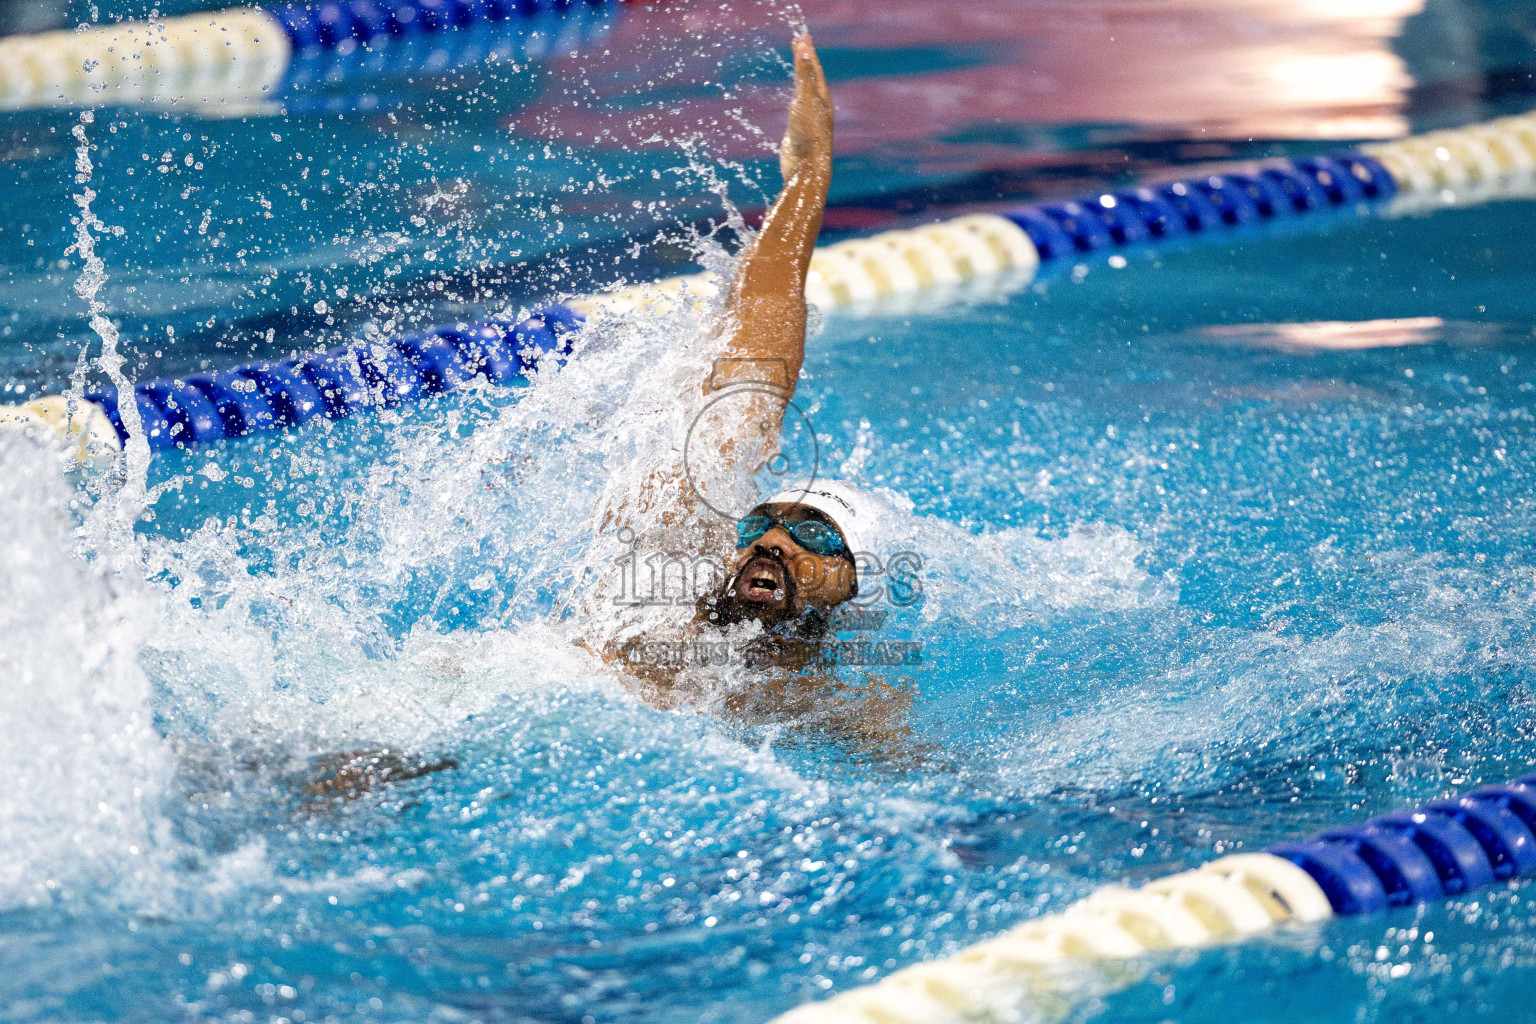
(264, 397)
(1445, 848)
(333, 25)
(338, 41)
(1203, 206)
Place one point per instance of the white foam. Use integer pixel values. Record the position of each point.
(83, 765)
(1251, 698)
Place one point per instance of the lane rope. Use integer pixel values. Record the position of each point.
(265, 397)
(980, 255)
(243, 58)
(236, 55)
(898, 271)
(1445, 848)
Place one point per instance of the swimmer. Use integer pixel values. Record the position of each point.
(792, 554)
(792, 559)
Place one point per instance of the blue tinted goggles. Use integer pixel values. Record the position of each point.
(817, 538)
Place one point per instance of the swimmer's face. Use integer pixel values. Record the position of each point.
(774, 578)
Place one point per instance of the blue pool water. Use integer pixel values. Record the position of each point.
(1200, 572)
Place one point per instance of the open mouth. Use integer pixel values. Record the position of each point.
(762, 581)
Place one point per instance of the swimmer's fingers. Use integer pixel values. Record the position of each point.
(809, 135)
(807, 63)
(810, 112)
(808, 74)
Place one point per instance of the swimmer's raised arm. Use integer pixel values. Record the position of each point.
(764, 315)
(765, 310)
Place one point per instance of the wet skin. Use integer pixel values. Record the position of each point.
(774, 579)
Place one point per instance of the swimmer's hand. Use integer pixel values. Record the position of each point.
(809, 136)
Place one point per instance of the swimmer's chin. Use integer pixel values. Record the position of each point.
(726, 609)
(760, 591)
(730, 609)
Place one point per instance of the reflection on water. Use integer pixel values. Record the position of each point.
(1238, 70)
(946, 87)
(1331, 335)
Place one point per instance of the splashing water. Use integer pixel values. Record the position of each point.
(132, 497)
(85, 768)
(1171, 602)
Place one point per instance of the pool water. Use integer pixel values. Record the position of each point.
(1201, 570)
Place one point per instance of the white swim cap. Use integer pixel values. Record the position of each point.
(853, 511)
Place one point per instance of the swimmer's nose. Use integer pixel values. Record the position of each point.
(778, 542)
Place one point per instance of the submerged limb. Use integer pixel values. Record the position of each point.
(348, 776)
